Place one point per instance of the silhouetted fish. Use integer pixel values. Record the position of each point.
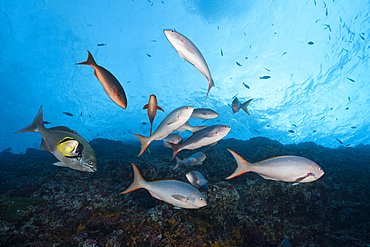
(267, 69)
(222, 53)
(350, 79)
(283, 54)
(46, 122)
(245, 85)
(353, 127)
(265, 77)
(143, 123)
(68, 114)
(346, 108)
(310, 43)
(238, 64)
(291, 131)
(339, 141)
(101, 44)
(149, 55)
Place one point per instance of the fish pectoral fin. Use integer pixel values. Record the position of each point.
(174, 120)
(60, 164)
(159, 108)
(212, 134)
(180, 198)
(305, 176)
(145, 107)
(154, 195)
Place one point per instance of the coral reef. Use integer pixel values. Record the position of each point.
(45, 205)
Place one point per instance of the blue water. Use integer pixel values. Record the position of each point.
(318, 90)
(304, 63)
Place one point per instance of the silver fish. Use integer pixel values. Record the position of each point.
(169, 124)
(85, 161)
(195, 159)
(188, 51)
(177, 193)
(203, 137)
(109, 82)
(172, 138)
(204, 113)
(282, 168)
(197, 179)
(187, 127)
(236, 105)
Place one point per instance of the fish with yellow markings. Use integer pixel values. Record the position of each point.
(169, 124)
(71, 149)
(286, 168)
(188, 51)
(177, 193)
(109, 82)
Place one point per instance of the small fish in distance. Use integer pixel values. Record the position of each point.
(188, 51)
(46, 122)
(265, 77)
(85, 160)
(282, 168)
(291, 131)
(246, 86)
(68, 114)
(152, 107)
(236, 105)
(197, 180)
(222, 54)
(102, 44)
(195, 159)
(339, 141)
(110, 83)
(177, 193)
(238, 64)
(350, 79)
(310, 43)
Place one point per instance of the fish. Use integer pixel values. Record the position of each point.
(265, 77)
(310, 43)
(349, 98)
(285, 242)
(102, 44)
(236, 105)
(350, 79)
(204, 113)
(267, 69)
(190, 128)
(222, 54)
(110, 83)
(152, 107)
(70, 147)
(46, 122)
(177, 193)
(170, 123)
(197, 180)
(353, 127)
(201, 138)
(149, 55)
(257, 131)
(52, 138)
(347, 108)
(195, 159)
(246, 57)
(238, 64)
(245, 85)
(172, 138)
(283, 53)
(143, 123)
(285, 168)
(188, 51)
(68, 114)
(339, 141)
(291, 131)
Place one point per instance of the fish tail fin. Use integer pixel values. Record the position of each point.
(177, 163)
(245, 105)
(211, 84)
(90, 61)
(36, 124)
(139, 181)
(242, 165)
(144, 143)
(175, 149)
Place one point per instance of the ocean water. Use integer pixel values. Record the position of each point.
(304, 64)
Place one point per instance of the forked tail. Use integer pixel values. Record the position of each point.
(36, 124)
(242, 165)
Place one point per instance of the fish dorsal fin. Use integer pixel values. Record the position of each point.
(43, 145)
(180, 198)
(154, 195)
(63, 128)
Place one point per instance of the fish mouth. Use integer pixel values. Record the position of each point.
(89, 167)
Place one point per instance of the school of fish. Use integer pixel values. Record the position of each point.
(74, 152)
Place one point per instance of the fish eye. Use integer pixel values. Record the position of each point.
(90, 162)
(201, 199)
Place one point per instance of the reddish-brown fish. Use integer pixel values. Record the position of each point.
(152, 110)
(110, 83)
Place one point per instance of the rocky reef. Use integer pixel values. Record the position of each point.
(45, 205)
